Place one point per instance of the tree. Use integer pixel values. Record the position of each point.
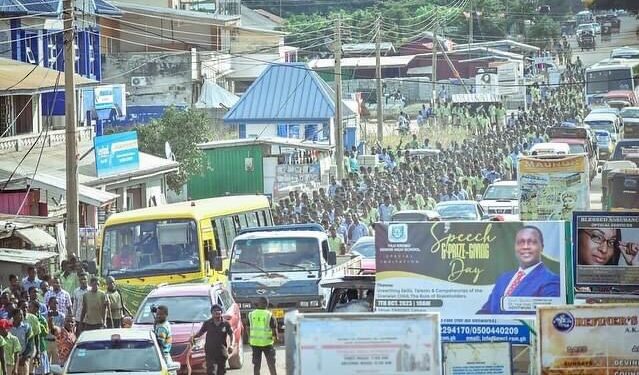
(543, 29)
(183, 130)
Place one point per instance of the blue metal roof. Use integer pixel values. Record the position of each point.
(285, 93)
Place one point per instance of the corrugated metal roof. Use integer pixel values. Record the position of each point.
(176, 14)
(363, 62)
(22, 256)
(286, 93)
(274, 141)
(11, 7)
(36, 78)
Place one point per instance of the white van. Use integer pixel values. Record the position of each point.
(549, 148)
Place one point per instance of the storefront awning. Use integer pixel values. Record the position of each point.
(36, 237)
(88, 195)
(21, 256)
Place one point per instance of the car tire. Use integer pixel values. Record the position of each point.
(237, 361)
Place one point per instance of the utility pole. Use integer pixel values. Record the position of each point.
(471, 24)
(378, 76)
(434, 69)
(339, 132)
(73, 226)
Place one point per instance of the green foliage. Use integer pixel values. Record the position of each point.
(543, 29)
(183, 130)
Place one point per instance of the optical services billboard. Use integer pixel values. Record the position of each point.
(470, 269)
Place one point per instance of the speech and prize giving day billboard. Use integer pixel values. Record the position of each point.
(470, 269)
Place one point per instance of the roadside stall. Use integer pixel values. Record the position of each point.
(16, 262)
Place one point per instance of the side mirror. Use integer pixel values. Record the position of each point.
(56, 370)
(216, 263)
(478, 197)
(92, 267)
(332, 258)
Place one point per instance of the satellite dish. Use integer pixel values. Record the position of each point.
(168, 152)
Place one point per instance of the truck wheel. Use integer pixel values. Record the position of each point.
(236, 361)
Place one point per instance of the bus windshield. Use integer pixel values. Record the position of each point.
(604, 81)
(150, 248)
(275, 255)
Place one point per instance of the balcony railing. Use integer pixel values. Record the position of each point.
(53, 138)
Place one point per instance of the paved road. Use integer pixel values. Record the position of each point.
(626, 37)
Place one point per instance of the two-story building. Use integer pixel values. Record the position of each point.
(34, 31)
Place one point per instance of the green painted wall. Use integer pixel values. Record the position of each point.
(226, 173)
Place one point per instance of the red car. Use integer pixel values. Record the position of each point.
(365, 247)
(189, 306)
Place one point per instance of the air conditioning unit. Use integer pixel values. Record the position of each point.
(138, 81)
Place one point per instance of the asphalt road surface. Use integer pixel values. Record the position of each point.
(625, 38)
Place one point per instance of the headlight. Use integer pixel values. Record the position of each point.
(199, 345)
(315, 303)
(303, 303)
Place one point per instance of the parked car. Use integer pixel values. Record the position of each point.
(108, 351)
(501, 198)
(416, 215)
(630, 116)
(621, 99)
(189, 306)
(461, 211)
(604, 121)
(625, 53)
(605, 144)
(365, 247)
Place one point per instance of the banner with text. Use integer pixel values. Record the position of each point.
(486, 358)
(606, 252)
(589, 339)
(369, 343)
(550, 189)
(465, 269)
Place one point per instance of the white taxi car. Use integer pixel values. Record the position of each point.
(131, 351)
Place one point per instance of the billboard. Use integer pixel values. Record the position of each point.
(551, 188)
(477, 330)
(116, 153)
(606, 251)
(567, 343)
(368, 344)
(470, 269)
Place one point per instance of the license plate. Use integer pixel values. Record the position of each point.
(278, 313)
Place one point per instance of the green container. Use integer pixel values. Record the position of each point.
(231, 170)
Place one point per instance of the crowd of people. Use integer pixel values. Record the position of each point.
(41, 315)
(460, 170)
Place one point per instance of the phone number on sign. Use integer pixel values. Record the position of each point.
(479, 330)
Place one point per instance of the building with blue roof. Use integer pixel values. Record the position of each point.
(290, 100)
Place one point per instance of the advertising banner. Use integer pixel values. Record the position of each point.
(116, 153)
(487, 358)
(589, 339)
(606, 251)
(551, 189)
(476, 330)
(348, 344)
(466, 269)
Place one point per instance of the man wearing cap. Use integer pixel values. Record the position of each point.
(216, 348)
(262, 328)
(9, 348)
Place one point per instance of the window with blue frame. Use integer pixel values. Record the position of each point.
(242, 130)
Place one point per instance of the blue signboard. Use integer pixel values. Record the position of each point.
(515, 332)
(116, 153)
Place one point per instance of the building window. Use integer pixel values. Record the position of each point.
(52, 47)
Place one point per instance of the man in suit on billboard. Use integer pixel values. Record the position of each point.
(532, 279)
